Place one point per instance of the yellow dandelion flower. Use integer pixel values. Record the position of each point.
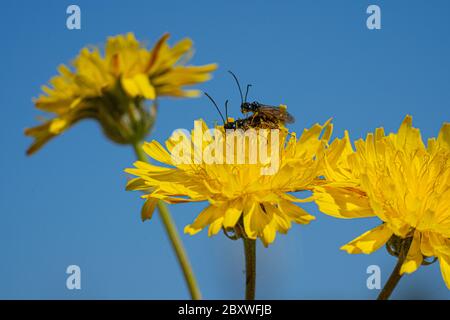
(250, 197)
(403, 182)
(113, 86)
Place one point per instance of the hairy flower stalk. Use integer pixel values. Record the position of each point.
(118, 88)
(174, 237)
(401, 248)
(247, 198)
(250, 268)
(401, 181)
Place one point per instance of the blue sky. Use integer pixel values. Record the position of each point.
(67, 204)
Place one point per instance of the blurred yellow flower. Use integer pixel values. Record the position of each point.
(401, 181)
(112, 88)
(242, 197)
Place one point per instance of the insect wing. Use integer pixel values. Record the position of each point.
(276, 113)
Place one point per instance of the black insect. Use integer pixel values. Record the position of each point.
(268, 113)
(262, 115)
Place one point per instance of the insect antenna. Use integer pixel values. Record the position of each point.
(246, 92)
(239, 86)
(226, 110)
(215, 105)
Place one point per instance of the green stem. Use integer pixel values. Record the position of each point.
(395, 276)
(250, 268)
(174, 237)
(392, 281)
